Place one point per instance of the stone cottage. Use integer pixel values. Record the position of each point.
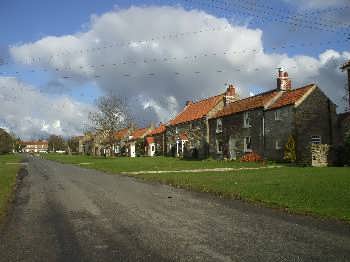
(155, 141)
(263, 123)
(187, 135)
(121, 141)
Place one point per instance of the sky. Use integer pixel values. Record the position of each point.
(57, 57)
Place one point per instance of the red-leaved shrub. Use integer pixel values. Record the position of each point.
(251, 157)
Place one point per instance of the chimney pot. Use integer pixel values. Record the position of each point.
(283, 82)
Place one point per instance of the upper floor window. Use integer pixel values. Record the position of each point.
(176, 130)
(246, 120)
(218, 125)
(316, 140)
(278, 115)
(248, 144)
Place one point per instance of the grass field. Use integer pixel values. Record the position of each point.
(323, 192)
(9, 166)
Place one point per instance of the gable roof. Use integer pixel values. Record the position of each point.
(121, 133)
(291, 97)
(158, 130)
(197, 110)
(283, 98)
(139, 133)
(249, 103)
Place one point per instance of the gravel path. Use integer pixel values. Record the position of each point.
(67, 213)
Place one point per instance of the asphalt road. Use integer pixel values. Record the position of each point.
(66, 213)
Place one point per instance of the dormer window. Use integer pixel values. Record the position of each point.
(219, 125)
(246, 120)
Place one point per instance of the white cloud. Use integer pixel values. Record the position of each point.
(153, 88)
(31, 114)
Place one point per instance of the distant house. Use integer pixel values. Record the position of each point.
(136, 142)
(187, 135)
(120, 148)
(35, 146)
(155, 141)
(264, 122)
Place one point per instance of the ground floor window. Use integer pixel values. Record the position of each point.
(219, 145)
(278, 144)
(248, 144)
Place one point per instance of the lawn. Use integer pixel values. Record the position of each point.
(9, 166)
(127, 164)
(323, 192)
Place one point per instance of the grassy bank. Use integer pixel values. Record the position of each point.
(9, 167)
(127, 164)
(323, 192)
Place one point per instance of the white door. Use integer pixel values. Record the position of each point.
(132, 150)
(232, 148)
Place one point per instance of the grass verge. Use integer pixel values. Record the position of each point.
(9, 167)
(324, 192)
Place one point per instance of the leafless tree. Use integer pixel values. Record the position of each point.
(112, 115)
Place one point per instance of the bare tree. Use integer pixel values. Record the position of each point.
(112, 115)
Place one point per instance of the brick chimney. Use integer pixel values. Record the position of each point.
(230, 95)
(283, 81)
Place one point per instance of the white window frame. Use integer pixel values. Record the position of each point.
(246, 149)
(246, 120)
(278, 115)
(218, 125)
(176, 130)
(278, 144)
(316, 140)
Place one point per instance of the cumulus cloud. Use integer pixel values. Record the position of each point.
(159, 74)
(31, 114)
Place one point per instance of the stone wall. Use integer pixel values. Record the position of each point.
(278, 130)
(197, 145)
(232, 128)
(315, 116)
(320, 154)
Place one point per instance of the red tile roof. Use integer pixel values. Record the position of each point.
(149, 140)
(139, 133)
(262, 100)
(157, 130)
(197, 110)
(121, 133)
(183, 136)
(291, 97)
(248, 103)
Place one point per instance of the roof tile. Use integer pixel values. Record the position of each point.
(291, 97)
(197, 110)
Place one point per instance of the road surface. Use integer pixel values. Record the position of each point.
(67, 213)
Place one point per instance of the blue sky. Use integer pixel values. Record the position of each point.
(27, 29)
